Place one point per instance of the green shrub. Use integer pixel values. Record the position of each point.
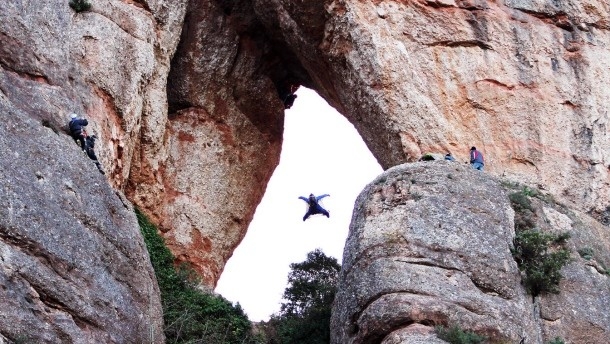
(586, 253)
(455, 335)
(542, 267)
(520, 201)
(561, 238)
(191, 315)
(80, 5)
(305, 316)
(527, 191)
(427, 157)
(557, 340)
(525, 216)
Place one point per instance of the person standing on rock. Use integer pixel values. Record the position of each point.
(476, 159)
(77, 126)
(314, 206)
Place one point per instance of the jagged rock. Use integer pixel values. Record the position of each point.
(73, 265)
(429, 244)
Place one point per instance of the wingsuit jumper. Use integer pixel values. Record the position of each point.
(314, 206)
(77, 126)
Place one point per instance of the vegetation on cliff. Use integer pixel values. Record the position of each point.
(539, 255)
(80, 5)
(191, 315)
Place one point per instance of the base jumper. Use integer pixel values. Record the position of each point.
(314, 207)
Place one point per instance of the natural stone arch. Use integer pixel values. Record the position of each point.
(408, 85)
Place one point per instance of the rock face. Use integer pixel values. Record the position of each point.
(73, 267)
(223, 140)
(518, 79)
(186, 98)
(429, 244)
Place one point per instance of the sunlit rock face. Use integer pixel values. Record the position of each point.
(429, 244)
(223, 136)
(520, 80)
(73, 266)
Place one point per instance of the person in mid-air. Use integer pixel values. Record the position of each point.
(314, 206)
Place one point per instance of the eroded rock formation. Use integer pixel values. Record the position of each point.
(73, 267)
(185, 95)
(429, 244)
(516, 79)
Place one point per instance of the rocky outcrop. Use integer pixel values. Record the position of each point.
(512, 78)
(223, 139)
(186, 95)
(429, 244)
(73, 267)
(516, 79)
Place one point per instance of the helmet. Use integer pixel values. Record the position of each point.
(73, 115)
(473, 148)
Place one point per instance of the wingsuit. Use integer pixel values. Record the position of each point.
(314, 206)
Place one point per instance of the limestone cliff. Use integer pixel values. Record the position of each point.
(429, 244)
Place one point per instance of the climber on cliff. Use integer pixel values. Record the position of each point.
(289, 100)
(449, 157)
(77, 126)
(476, 159)
(314, 206)
(89, 145)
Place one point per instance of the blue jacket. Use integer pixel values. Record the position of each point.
(476, 156)
(313, 201)
(76, 125)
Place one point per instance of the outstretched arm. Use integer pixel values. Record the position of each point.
(303, 198)
(321, 196)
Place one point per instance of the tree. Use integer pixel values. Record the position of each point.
(305, 316)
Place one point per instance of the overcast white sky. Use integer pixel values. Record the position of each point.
(321, 153)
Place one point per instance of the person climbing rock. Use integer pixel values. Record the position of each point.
(449, 157)
(476, 159)
(314, 206)
(77, 126)
(290, 97)
(89, 149)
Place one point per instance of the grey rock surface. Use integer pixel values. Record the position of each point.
(73, 265)
(429, 244)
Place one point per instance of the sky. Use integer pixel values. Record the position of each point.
(321, 153)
